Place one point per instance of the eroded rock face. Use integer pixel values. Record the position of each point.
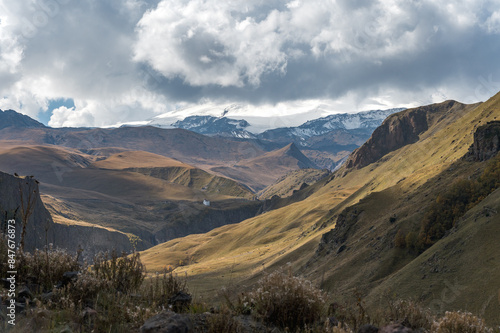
(395, 132)
(344, 227)
(41, 229)
(12, 189)
(486, 142)
(398, 130)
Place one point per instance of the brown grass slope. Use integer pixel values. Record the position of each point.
(286, 185)
(173, 171)
(180, 144)
(261, 171)
(239, 253)
(227, 158)
(141, 201)
(461, 272)
(360, 253)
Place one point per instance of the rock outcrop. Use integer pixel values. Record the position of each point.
(398, 130)
(395, 132)
(345, 226)
(13, 190)
(41, 229)
(486, 142)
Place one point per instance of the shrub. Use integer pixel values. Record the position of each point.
(84, 291)
(224, 322)
(414, 315)
(412, 242)
(161, 287)
(400, 239)
(238, 303)
(453, 203)
(125, 272)
(459, 322)
(287, 301)
(46, 267)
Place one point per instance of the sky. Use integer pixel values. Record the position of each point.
(105, 62)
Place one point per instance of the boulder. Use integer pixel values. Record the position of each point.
(396, 328)
(167, 322)
(180, 301)
(368, 328)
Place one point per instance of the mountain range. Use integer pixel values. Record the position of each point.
(366, 229)
(326, 140)
(413, 211)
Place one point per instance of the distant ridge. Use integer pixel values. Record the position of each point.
(303, 162)
(11, 118)
(398, 130)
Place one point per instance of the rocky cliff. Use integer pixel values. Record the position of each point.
(41, 229)
(398, 130)
(486, 142)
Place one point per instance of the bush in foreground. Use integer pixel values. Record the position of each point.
(460, 322)
(287, 301)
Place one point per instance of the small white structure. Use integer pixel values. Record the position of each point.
(206, 202)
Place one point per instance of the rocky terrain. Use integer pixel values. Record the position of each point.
(486, 142)
(399, 130)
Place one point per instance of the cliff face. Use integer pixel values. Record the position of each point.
(41, 229)
(486, 142)
(12, 189)
(398, 130)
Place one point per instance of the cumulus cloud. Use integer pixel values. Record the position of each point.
(315, 48)
(132, 59)
(209, 42)
(78, 50)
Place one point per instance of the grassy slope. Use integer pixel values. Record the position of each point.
(174, 171)
(238, 253)
(286, 185)
(78, 191)
(261, 171)
(138, 159)
(462, 271)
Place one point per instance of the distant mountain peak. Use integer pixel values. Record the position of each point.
(11, 118)
(293, 151)
(210, 125)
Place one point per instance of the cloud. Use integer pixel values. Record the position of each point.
(81, 50)
(209, 42)
(279, 51)
(130, 60)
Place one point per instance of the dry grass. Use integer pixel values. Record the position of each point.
(460, 322)
(286, 300)
(109, 296)
(411, 313)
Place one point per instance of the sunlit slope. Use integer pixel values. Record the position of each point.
(151, 196)
(291, 182)
(292, 234)
(173, 171)
(138, 159)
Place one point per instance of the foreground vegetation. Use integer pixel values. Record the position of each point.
(449, 206)
(57, 293)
